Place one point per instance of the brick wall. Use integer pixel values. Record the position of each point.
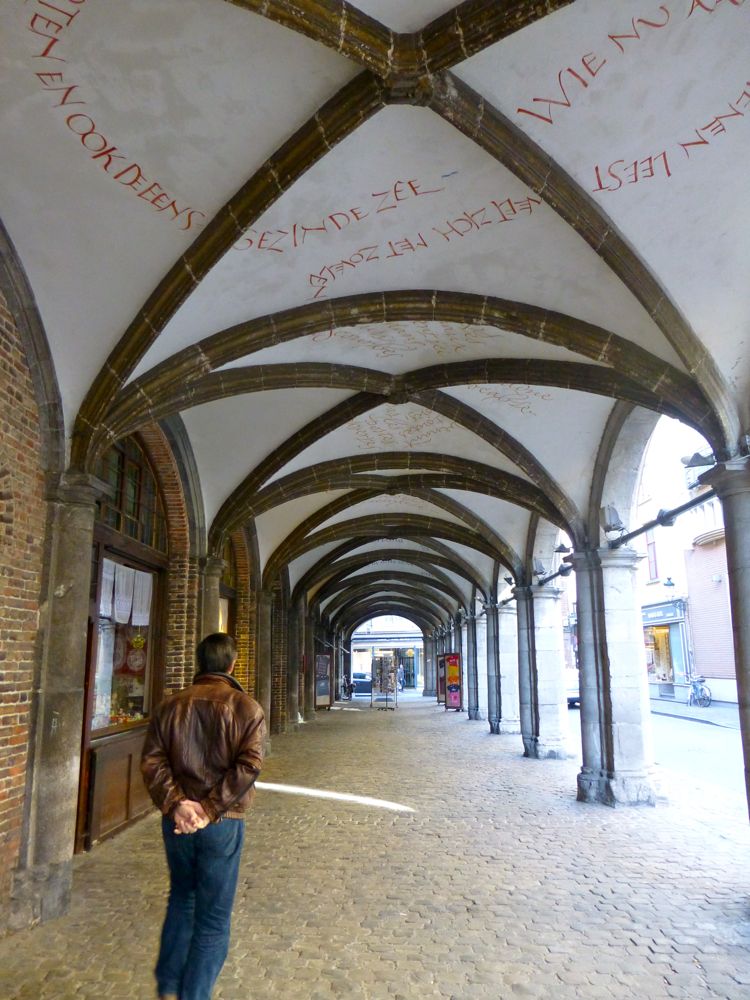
(710, 614)
(22, 530)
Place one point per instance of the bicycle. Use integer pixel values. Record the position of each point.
(699, 694)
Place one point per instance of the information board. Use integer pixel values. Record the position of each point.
(453, 681)
(440, 659)
(323, 680)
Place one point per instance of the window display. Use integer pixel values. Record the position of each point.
(121, 681)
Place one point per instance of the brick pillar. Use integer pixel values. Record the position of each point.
(615, 710)
(41, 890)
(731, 480)
(263, 662)
(213, 568)
(292, 668)
(309, 711)
(507, 642)
(430, 688)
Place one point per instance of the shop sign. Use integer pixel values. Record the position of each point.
(670, 611)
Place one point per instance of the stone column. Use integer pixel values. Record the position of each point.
(527, 695)
(41, 889)
(213, 569)
(263, 655)
(481, 660)
(731, 480)
(336, 664)
(430, 674)
(469, 659)
(292, 670)
(494, 693)
(309, 710)
(483, 666)
(615, 709)
(346, 669)
(549, 660)
(507, 642)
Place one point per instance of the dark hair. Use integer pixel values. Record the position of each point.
(216, 653)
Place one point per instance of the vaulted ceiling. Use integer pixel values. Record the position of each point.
(400, 268)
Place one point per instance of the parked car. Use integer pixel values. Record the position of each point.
(572, 687)
(362, 683)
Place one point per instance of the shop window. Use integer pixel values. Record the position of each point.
(122, 680)
(134, 507)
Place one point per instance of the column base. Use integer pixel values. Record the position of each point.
(617, 790)
(39, 894)
(429, 693)
(509, 727)
(544, 749)
(475, 714)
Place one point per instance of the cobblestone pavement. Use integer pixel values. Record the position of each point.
(498, 885)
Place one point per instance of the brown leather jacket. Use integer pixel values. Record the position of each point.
(205, 743)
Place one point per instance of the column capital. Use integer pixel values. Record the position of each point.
(621, 558)
(588, 560)
(730, 477)
(545, 593)
(523, 593)
(213, 566)
(80, 489)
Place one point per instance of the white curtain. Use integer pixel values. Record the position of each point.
(124, 582)
(142, 589)
(108, 584)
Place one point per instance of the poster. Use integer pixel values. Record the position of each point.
(440, 678)
(453, 681)
(323, 680)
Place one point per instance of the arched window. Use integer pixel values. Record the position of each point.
(134, 507)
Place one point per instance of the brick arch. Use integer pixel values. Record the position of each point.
(18, 311)
(339, 564)
(182, 575)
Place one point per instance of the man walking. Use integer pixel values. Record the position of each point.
(202, 754)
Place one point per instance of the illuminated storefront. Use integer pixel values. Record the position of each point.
(665, 638)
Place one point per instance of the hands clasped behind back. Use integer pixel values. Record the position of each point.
(189, 817)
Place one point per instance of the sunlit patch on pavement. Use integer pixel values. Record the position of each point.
(320, 793)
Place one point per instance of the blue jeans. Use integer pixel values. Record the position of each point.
(203, 870)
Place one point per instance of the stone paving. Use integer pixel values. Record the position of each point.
(498, 885)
